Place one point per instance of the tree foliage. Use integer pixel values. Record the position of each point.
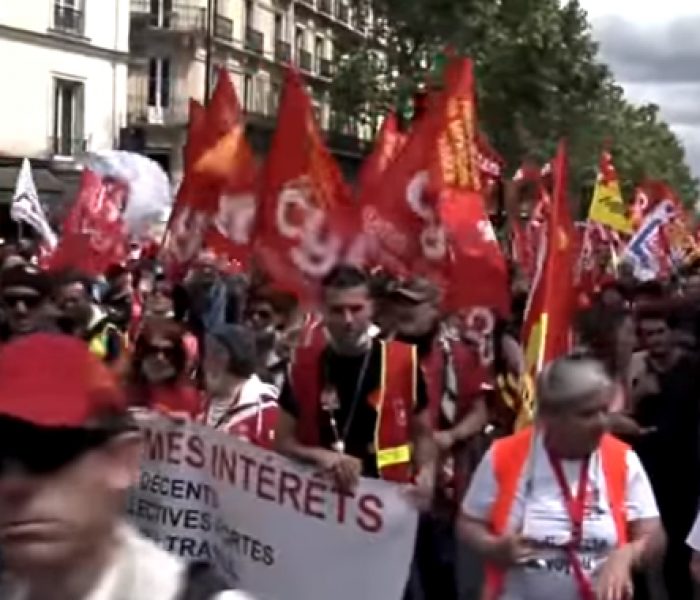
(539, 79)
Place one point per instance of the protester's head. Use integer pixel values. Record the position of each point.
(612, 295)
(25, 292)
(230, 356)
(119, 279)
(573, 397)
(610, 335)
(271, 310)
(68, 454)
(416, 308)
(159, 301)
(655, 332)
(649, 292)
(159, 354)
(347, 308)
(73, 296)
(205, 270)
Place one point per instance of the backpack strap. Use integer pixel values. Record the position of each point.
(202, 582)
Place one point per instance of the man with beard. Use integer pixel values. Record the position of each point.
(456, 383)
(667, 406)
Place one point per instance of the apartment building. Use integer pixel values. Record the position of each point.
(174, 41)
(64, 68)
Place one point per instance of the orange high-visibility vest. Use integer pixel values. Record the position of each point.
(509, 457)
(394, 402)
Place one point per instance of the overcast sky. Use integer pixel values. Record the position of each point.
(653, 48)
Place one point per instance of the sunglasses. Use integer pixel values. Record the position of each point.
(168, 352)
(28, 300)
(43, 452)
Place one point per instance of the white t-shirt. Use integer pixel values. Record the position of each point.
(540, 514)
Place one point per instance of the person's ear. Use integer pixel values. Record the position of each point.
(124, 454)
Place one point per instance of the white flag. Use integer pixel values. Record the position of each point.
(27, 208)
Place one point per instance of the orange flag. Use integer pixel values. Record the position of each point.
(307, 218)
(550, 311)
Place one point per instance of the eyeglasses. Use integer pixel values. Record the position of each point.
(43, 452)
(28, 300)
(167, 352)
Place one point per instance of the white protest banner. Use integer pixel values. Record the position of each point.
(271, 526)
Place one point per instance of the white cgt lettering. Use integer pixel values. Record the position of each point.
(316, 250)
(433, 239)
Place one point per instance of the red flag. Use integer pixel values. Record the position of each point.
(552, 302)
(93, 234)
(389, 142)
(215, 207)
(229, 165)
(475, 254)
(306, 215)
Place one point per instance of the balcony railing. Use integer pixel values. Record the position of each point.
(254, 40)
(305, 60)
(66, 18)
(140, 113)
(67, 146)
(223, 28)
(342, 12)
(183, 17)
(283, 51)
(325, 6)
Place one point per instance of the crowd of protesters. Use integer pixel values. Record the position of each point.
(377, 382)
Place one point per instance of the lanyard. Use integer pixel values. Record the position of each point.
(576, 507)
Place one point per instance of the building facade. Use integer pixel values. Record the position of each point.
(65, 68)
(173, 41)
(65, 71)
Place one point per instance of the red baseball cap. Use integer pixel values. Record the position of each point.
(52, 380)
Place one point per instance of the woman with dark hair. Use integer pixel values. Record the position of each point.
(159, 375)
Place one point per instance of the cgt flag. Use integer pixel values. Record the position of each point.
(607, 206)
(547, 330)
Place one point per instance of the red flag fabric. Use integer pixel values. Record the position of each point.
(550, 311)
(306, 216)
(475, 254)
(426, 215)
(93, 235)
(188, 221)
(389, 143)
(215, 208)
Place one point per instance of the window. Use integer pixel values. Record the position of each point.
(279, 27)
(259, 94)
(159, 82)
(161, 13)
(68, 113)
(249, 14)
(319, 48)
(247, 91)
(299, 39)
(68, 16)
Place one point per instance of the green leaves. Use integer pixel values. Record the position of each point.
(538, 76)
